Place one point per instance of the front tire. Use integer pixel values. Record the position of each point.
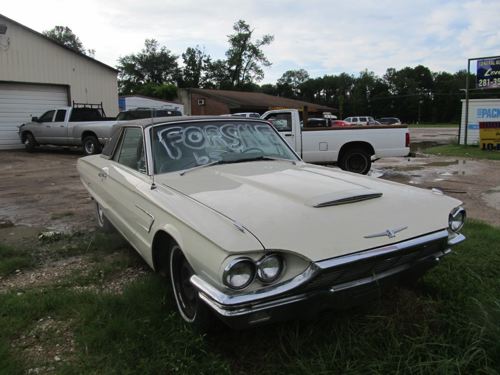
(91, 145)
(356, 160)
(30, 142)
(191, 308)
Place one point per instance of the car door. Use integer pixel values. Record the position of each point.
(57, 131)
(283, 124)
(41, 130)
(125, 177)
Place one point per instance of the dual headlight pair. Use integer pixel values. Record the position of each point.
(240, 273)
(456, 219)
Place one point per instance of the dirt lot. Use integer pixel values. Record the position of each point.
(43, 189)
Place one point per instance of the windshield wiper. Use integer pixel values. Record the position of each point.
(202, 166)
(265, 158)
(225, 161)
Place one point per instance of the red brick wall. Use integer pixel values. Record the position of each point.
(211, 107)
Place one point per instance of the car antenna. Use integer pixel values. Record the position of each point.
(153, 185)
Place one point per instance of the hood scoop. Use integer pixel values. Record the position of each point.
(343, 197)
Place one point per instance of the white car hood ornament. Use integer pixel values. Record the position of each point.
(391, 233)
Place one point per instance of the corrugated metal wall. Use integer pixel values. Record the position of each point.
(28, 57)
(19, 102)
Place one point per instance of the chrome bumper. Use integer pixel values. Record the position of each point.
(328, 283)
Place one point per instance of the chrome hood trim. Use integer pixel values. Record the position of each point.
(343, 197)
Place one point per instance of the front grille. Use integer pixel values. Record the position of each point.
(374, 266)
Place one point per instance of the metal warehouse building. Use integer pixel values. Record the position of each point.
(38, 74)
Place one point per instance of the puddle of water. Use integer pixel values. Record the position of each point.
(442, 163)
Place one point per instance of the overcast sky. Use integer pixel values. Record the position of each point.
(321, 36)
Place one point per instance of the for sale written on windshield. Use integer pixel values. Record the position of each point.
(488, 73)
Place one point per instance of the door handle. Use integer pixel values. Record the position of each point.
(288, 135)
(104, 172)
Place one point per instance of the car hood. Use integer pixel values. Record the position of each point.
(315, 211)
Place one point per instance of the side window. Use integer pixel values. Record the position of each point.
(281, 121)
(47, 116)
(363, 119)
(60, 115)
(131, 150)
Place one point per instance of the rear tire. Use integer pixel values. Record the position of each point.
(191, 308)
(91, 145)
(30, 142)
(356, 160)
(102, 221)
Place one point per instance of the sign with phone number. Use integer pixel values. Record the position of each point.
(489, 136)
(488, 73)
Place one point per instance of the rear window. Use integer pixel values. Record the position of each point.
(85, 114)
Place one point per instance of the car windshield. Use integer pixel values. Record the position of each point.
(179, 147)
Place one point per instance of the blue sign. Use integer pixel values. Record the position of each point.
(488, 113)
(488, 73)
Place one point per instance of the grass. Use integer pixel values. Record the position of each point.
(463, 151)
(13, 259)
(447, 323)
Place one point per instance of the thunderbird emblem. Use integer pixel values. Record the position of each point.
(391, 233)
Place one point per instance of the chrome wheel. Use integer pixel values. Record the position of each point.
(185, 294)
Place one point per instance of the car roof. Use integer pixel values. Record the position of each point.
(148, 122)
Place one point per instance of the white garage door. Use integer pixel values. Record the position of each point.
(19, 102)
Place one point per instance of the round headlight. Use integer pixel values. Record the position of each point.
(269, 268)
(456, 219)
(239, 273)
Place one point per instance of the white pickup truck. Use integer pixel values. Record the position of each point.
(352, 147)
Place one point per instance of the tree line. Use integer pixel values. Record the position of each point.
(414, 94)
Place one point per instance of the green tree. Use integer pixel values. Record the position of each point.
(289, 85)
(195, 66)
(245, 57)
(217, 75)
(63, 35)
(152, 65)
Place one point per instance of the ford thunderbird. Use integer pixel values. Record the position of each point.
(248, 232)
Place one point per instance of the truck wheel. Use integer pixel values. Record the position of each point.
(102, 221)
(191, 308)
(30, 142)
(91, 145)
(356, 160)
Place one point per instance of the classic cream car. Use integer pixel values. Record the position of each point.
(248, 232)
